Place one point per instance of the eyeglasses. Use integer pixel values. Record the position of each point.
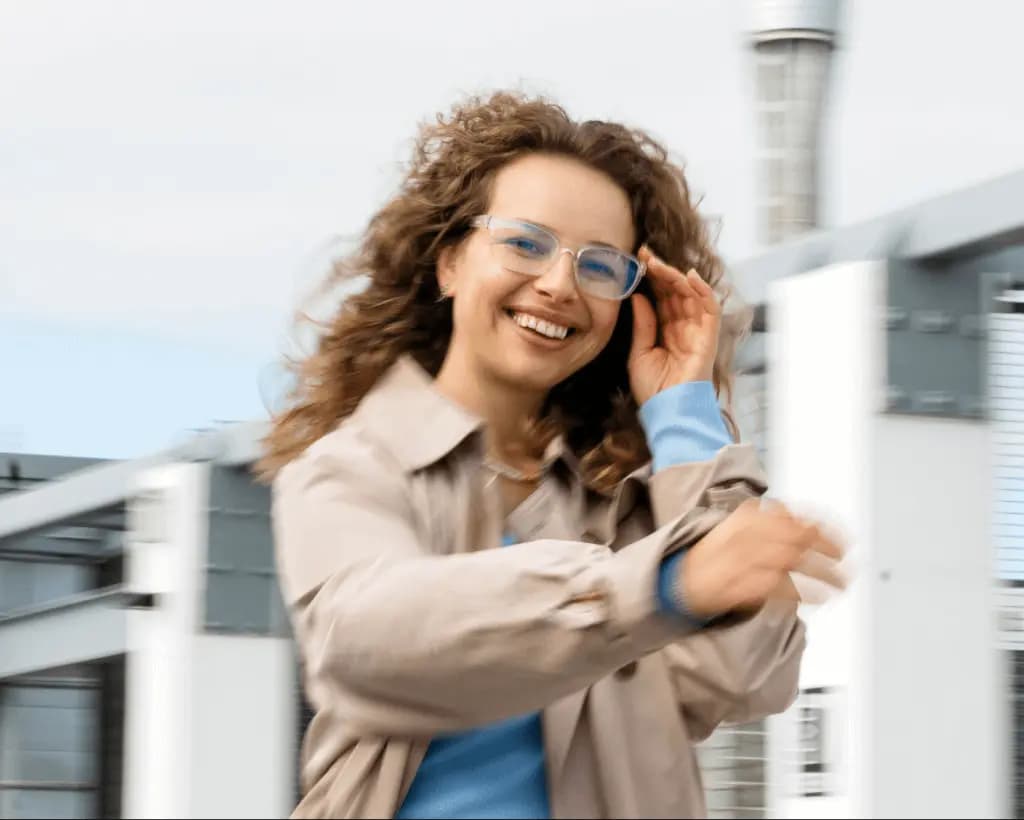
(528, 249)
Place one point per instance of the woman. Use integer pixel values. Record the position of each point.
(529, 368)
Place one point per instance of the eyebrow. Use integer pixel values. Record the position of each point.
(551, 230)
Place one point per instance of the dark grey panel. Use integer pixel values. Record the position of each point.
(242, 594)
(935, 361)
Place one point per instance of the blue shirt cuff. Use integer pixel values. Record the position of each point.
(684, 423)
(669, 590)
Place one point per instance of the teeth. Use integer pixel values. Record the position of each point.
(549, 329)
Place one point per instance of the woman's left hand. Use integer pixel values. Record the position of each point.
(689, 318)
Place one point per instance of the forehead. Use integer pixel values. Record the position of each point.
(579, 203)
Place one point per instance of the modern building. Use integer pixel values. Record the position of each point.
(146, 668)
(145, 660)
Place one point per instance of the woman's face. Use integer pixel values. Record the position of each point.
(535, 331)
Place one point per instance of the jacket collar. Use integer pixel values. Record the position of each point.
(420, 425)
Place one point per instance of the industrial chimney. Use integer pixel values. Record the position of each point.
(793, 42)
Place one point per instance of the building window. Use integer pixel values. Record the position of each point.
(734, 767)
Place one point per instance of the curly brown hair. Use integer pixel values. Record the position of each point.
(448, 183)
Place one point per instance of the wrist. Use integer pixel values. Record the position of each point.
(644, 396)
(685, 596)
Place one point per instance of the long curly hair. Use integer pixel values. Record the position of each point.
(447, 183)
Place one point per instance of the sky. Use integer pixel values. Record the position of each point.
(172, 173)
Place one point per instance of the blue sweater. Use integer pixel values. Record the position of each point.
(498, 770)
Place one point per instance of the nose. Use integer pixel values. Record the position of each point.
(558, 282)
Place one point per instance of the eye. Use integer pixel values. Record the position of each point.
(597, 269)
(526, 245)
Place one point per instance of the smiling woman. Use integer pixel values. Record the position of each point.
(631, 193)
(524, 556)
(521, 316)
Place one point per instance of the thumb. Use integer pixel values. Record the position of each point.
(645, 326)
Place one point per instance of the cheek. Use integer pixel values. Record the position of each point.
(479, 272)
(605, 315)
(480, 294)
(470, 321)
(480, 282)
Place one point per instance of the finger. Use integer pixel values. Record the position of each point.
(833, 534)
(798, 527)
(692, 305)
(809, 590)
(704, 292)
(776, 524)
(820, 568)
(672, 280)
(677, 300)
(812, 534)
(825, 544)
(782, 525)
(662, 291)
(662, 271)
(668, 304)
(776, 555)
(645, 326)
(680, 295)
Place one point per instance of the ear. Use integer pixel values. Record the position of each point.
(446, 270)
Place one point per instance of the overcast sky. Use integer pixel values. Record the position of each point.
(170, 171)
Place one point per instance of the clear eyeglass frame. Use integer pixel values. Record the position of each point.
(490, 223)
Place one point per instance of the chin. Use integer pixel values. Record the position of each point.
(529, 374)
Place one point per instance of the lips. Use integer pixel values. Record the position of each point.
(542, 324)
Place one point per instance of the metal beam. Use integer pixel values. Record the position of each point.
(978, 220)
(74, 544)
(231, 446)
(103, 488)
(31, 467)
(78, 629)
(67, 500)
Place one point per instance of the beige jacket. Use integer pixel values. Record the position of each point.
(411, 622)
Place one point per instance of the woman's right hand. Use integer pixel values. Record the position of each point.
(747, 559)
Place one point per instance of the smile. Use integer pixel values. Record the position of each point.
(542, 327)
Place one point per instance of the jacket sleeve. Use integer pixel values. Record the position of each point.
(740, 670)
(406, 642)
(738, 673)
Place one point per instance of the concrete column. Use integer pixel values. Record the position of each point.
(904, 664)
(209, 719)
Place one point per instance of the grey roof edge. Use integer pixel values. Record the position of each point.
(42, 467)
(232, 445)
(79, 493)
(980, 218)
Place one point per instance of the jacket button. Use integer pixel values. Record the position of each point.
(627, 671)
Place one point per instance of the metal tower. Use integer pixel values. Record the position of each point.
(793, 41)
